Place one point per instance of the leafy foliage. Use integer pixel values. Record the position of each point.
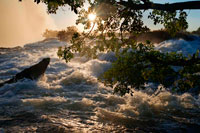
(66, 35)
(142, 64)
(170, 21)
(65, 53)
(137, 64)
(53, 5)
(50, 34)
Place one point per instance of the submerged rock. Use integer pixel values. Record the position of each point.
(33, 72)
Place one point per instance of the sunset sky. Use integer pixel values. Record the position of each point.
(65, 17)
(25, 22)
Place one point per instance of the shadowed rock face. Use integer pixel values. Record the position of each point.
(33, 72)
(160, 36)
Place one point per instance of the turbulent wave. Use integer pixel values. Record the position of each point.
(70, 98)
(180, 46)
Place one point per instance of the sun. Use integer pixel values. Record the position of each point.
(92, 16)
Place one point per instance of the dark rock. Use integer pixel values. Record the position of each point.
(160, 36)
(33, 72)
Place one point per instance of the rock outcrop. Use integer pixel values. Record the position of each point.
(160, 36)
(33, 72)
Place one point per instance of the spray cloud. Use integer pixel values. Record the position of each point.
(22, 22)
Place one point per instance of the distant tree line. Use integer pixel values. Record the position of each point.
(62, 35)
(197, 32)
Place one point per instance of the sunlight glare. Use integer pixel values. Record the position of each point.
(92, 16)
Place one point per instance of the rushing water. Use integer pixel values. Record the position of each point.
(69, 97)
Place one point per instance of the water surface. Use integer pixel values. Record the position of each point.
(69, 98)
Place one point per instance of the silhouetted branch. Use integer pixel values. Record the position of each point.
(164, 7)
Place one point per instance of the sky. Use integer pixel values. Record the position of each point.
(25, 22)
(65, 17)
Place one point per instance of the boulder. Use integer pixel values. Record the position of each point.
(34, 72)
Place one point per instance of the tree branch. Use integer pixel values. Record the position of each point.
(163, 7)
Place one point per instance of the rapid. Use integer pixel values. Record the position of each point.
(69, 97)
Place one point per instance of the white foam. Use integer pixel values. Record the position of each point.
(180, 46)
(73, 87)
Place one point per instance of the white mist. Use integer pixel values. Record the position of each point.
(22, 22)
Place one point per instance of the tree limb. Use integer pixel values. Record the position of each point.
(163, 7)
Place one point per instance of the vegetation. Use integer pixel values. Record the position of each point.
(197, 32)
(143, 65)
(137, 64)
(50, 34)
(63, 35)
(66, 35)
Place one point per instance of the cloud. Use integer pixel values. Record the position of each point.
(22, 22)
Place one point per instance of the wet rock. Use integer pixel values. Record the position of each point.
(33, 72)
